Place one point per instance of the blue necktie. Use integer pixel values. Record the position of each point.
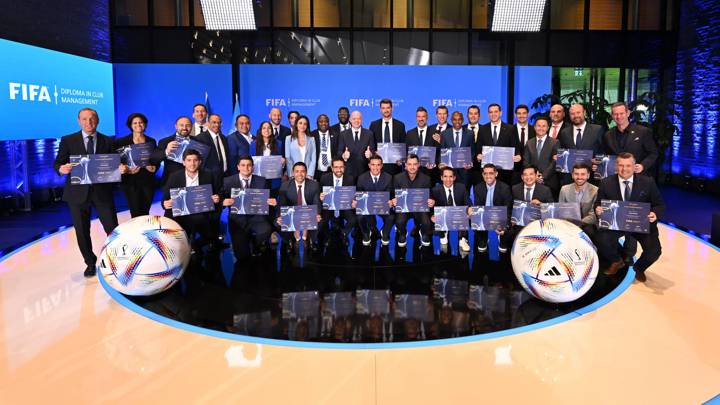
(626, 194)
(489, 197)
(90, 145)
(578, 138)
(386, 134)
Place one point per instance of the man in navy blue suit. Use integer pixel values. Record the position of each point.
(239, 141)
(457, 137)
(627, 185)
(376, 180)
(491, 192)
(388, 130)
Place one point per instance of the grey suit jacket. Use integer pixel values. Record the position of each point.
(544, 161)
(587, 209)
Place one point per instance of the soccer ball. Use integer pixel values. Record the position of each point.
(554, 260)
(145, 255)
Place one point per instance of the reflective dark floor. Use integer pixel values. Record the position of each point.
(356, 294)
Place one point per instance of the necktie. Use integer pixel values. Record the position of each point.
(323, 146)
(489, 197)
(386, 133)
(457, 139)
(90, 146)
(451, 202)
(277, 133)
(578, 138)
(528, 195)
(494, 134)
(219, 152)
(244, 183)
(337, 184)
(539, 146)
(422, 137)
(357, 137)
(554, 133)
(300, 196)
(472, 128)
(626, 194)
(522, 136)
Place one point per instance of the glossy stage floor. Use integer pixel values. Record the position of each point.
(70, 340)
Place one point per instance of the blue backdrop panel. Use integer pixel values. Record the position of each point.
(531, 82)
(315, 89)
(47, 88)
(164, 92)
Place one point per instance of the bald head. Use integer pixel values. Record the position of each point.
(557, 113)
(275, 116)
(356, 119)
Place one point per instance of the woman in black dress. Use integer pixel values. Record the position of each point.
(139, 182)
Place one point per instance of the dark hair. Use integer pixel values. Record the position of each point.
(344, 108)
(459, 113)
(246, 157)
(494, 105)
(441, 107)
(580, 104)
(376, 156)
(291, 113)
(421, 109)
(522, 107)
(240, 116)
(202, 105)
(181, 117)
(619, 104)
(581, 165)
(132, 116)
(530, 166)
(294, 133)
(189, 152)
(446, 168)
(320, 116)
(625, 155)
(337, 159)
(412, 156)
(490, 166)
(475, 107)
(299, 164)
(386, 101)
(260, 143)
(543, 118)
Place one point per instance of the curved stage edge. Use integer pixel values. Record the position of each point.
(66, 339)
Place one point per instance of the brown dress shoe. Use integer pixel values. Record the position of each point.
(640, 276)
(614, 267)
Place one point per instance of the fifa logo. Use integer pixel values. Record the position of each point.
(442, 101)
(359, 102)
(29, 92)
(275, 102)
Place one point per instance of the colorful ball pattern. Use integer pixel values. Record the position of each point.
(554, 260)
(144, 256)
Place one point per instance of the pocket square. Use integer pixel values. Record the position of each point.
(636, 139)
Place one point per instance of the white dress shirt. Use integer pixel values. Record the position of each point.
(192, 181)
(390, 128)
(622, 181)
(297, 187)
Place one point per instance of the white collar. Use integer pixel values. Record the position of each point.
(581, 127)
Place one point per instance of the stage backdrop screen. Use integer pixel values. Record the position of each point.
(315, 89)
(45, 89)
(163, 92)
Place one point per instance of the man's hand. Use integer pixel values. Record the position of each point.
(479, 157)
(66, 168)
(599, 210)
(322, 196)
(167, 204)
(272, 202)
(368, 153)
(652, 217)
(151, 168)
(536, 201)
(124, 168)
(393, 202)
(431, 202)
(170, 147)
(436, 137)
(228, 202)
(639, 168)
(517, 158)
(215, 198)
(346, 154)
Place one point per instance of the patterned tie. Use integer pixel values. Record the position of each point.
(495, 134)
(244, 183)
(539, 146)
(386, 133)
(528, 196)
(323, 152)
(450, 199)
(626, 194)
(300, 195)
(472, 128)
(578, 138)
(90, 146)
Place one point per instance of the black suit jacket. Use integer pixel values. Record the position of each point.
(506, 137)
(519, 146)
(398, 130)
(401, 180)
(413, 138)
(385, 183)
(143, 177)
(637, 140)
(644, 189)
(541, 193)
(177, 180)
(328, 180)
(501, 196)
(332, 147)
(212, 162)
(171, 166)
(591, 138)
(311, 191)
(73, 144)
(459, 192)
(233, 181)
(335, 129)
(357, 163)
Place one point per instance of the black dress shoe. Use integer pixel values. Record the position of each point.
(89, 271)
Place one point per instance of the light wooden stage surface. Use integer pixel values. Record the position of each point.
(64, 340)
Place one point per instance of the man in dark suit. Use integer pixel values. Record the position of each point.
(376, 180)
(524, 131)
(81, 198)
(342, 220)
(343, 124)
(326, 142)
(288, 195)
(557, 118)
(436, 130)
(531, 191)
(239, 142)
(457, 137)
(166, 145)
(191, 176)
(280, 131)
(473, 116)
(541, 152)
(200, 116)
(580, 135)
(491, 193)
(632, 138)
(451, 194)
(356, 145)
(388, 130)
(412, 178)
(627, 185)
(217, 159)
(494, 133)
(247, 230)
(421, 136)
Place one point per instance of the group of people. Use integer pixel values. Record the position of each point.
(346, 154)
